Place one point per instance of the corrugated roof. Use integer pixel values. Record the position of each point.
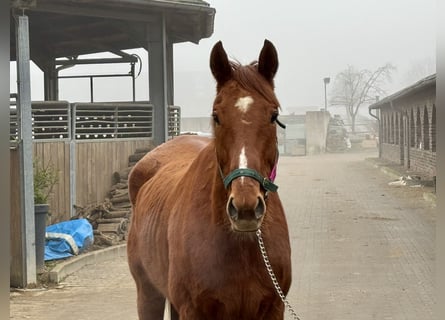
(416, 87)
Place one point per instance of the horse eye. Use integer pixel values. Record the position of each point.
(274, 117)
(215, 117)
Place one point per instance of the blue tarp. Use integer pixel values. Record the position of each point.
(67, 238)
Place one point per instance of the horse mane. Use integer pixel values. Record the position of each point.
(249, 79)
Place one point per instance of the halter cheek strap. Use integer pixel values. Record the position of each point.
(273, 173)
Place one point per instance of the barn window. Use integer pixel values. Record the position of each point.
(388, 128)
(412, 137)
(385, 129)
(393, 128)
(433, 129)
(426, 129)
(418, 130)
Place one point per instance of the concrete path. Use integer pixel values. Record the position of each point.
(362, 250)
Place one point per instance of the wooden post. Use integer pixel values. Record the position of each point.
(157, 60)
(25, 148)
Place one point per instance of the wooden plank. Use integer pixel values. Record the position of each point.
(52, 159)
(109, 227)
(90, 173)
(67, 175)
(56, 153)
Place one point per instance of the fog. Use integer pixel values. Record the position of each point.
(314, 39)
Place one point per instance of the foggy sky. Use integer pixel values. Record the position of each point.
(314, 39)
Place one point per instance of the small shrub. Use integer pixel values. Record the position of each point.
(45, 177)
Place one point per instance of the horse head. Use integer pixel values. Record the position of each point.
(244, 115)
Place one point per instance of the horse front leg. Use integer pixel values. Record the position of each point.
(171, 313)
(150, 303)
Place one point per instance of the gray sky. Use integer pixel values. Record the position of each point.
(314, 39)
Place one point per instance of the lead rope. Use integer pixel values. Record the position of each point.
(273, 277)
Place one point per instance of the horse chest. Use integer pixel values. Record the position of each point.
(230, 281)
(247, 299)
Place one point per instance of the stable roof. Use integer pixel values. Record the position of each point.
(62, 28)
(420, 85)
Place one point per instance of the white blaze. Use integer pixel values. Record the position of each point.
(244, 103)
(242, 161)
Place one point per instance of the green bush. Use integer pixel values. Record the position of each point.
(45, 177)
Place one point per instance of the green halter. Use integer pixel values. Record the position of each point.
(246, 172)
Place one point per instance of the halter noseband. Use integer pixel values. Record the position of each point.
(266, 183)
(246, 172)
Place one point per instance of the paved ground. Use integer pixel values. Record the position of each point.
(362, 250)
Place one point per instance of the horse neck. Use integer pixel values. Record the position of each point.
(205, 170)
(218, 191)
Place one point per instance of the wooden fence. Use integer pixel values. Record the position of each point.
(86, 143)
(94, 163)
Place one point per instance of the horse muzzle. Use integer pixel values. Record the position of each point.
(246, 215)
(246, 205)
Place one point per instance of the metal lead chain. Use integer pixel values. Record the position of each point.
(273, 277)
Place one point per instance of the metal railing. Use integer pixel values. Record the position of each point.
(112, 120)
(50, 120)
(56, 120)
(174, 121)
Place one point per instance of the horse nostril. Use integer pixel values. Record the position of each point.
(260, 208)
(232, 210)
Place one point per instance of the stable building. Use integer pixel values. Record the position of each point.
(86, 142)
(407, 127)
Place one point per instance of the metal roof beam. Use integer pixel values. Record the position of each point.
(87, 11)
(71, 62)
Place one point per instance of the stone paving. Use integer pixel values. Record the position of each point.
(361, 250)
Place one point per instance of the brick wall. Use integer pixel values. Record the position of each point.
(419, 110)
(423, 161)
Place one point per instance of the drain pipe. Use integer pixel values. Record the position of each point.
(380, 128)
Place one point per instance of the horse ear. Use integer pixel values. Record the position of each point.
(268, 61)
(219, 64)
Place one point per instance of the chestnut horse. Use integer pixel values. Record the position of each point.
(198, 202)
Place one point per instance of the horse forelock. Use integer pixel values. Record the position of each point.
(248, 77)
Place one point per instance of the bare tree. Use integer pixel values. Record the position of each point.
(354, 88)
